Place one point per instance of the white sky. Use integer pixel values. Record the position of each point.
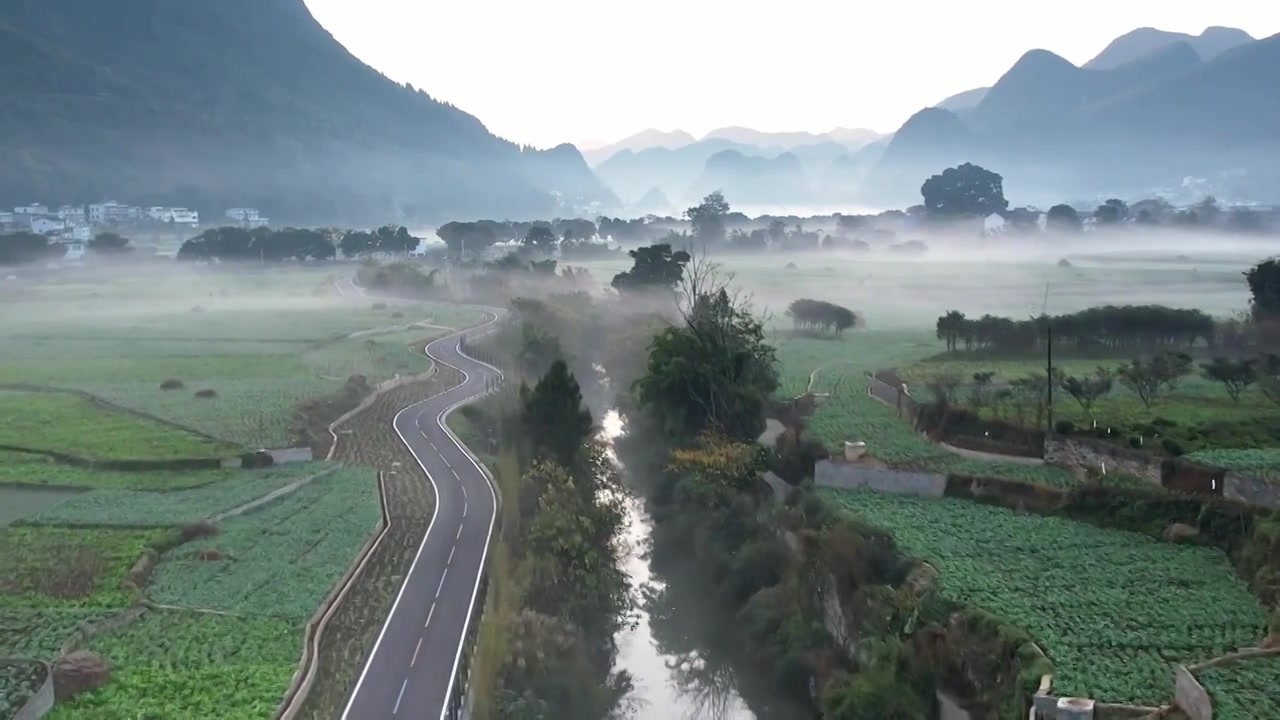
(584, 71)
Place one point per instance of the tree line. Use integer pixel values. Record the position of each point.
(818, 315)
(1109, 329)
(236, 244)
(22, 248)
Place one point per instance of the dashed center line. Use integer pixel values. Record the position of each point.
(400, 697)
(430, 612)
(443, 575)
(414, 659)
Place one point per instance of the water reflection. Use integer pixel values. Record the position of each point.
(680, 652)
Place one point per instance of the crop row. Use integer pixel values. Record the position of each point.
(137, 508)
(280, 559)
(367, 440)
(181, 664)
(1113, 610)
(68, 423)
(25, 469)
(1265, 460)
(17, 683)
(1248, 690)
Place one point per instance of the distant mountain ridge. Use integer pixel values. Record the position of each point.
(243, 102)
(1148, 112)
(738, 160)
(1133, 45)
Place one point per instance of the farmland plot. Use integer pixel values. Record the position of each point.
(136, 508)
(1113, 611)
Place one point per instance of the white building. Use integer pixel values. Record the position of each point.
(247, 217)
(159, 214)
(71, 213)
(111, 212)
(32, 209)
(81, 233)
(46, 225)
(183, 216)
(74, 250)
(7, 219)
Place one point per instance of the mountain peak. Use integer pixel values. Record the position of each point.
(1210, 43)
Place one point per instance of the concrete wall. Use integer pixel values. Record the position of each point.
(1190, 696)
(1251, 489)
(283, 456)
(847, 476)
(1079, 452)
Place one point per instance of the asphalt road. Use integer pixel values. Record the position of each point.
(410, 671)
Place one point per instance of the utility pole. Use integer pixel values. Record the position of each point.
(1048, 356)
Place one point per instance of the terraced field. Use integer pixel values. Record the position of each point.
(1113, 611)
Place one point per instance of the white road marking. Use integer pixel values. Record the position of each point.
(430, 612)
(443, 575)
(455, 473)
(414, 659)
(464, 514)
(450, 560)
(464, 492)
(446, 462)
(400, 697)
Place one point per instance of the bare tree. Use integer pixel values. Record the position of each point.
(1088, 390)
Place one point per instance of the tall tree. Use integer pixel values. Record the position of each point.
(964, 191)
(1063, 218)
(1111, 212)
(554, 420)
(708, 219)
(654, 267)
(541, 237)
(109, 243)
(714, 371)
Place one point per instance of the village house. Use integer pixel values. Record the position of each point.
(247, 217)
(32, 209)
(113, 213)
(47, 225)
(183, 216)
(71, 213)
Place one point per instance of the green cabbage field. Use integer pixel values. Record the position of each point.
(1114, 611)
(1248, 690)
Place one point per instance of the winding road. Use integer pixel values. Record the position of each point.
(410, 671)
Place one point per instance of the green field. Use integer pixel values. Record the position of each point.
(1248, 689)
(851, 415)
(1113, 611)
(17, 503)
(1199, 414)
(174, 664)
(262, 342)
(269, 569)
(279, 560)
(67, 423)
(37, 470)
(910, 294)
(141, 508)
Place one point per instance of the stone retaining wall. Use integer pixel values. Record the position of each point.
(1080, 452)
(849, 476)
